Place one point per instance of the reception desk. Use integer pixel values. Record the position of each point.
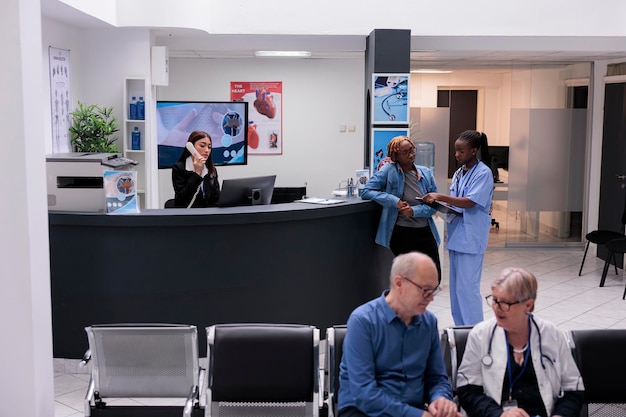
(283, 263)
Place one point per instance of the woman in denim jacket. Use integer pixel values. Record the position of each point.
(406, 224)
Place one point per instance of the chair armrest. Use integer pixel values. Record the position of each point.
(86, 358)
(202, 386)
(89, 396)
(193, 394)
(322, 387)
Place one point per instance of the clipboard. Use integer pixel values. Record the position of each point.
(441, 207)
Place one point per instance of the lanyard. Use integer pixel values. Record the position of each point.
(508, 363)
(460, 177)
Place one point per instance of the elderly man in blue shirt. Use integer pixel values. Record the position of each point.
(392, 363)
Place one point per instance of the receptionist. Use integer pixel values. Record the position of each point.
(194, 176)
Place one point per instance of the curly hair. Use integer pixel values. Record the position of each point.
(393, 147)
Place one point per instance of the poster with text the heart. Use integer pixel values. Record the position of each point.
(264, 114)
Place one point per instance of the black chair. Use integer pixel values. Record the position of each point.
(262, 369)
(334, 352)
(288, 194)
(143, 361)
(600, 237)
(453, 340)
(614, 246)
(599, 355)
(171, 203)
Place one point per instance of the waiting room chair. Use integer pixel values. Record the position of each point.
(453, 340)
(260, 369)
(143, 361)
(334, 352)
(599, 354)
(600, 237)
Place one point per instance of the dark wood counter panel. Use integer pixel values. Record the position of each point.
(288, 263)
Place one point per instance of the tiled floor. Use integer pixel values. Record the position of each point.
(569, 301)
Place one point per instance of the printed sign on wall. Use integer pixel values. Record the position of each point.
(264, 114)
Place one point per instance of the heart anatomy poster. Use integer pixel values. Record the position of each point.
(264, 114)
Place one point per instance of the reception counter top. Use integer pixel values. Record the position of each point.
(284, 263)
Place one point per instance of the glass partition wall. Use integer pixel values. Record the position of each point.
(535, 118)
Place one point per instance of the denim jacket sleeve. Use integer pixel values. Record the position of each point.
(385, 187)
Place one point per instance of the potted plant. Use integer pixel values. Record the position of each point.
(93, 128)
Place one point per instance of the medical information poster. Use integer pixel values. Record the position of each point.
(264, 114)
(390, 99)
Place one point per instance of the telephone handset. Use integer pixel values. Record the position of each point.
(192, 149)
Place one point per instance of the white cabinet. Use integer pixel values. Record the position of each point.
(137, 87)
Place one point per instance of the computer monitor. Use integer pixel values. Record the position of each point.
(247, 191)
(499, 156)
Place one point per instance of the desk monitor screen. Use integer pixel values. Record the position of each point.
(247, 191)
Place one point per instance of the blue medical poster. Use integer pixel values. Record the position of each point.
(390, 99)
(380, 139)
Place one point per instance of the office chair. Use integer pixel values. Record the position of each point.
(334, 352)
(143, 361)
(288, 194)
(263, 370)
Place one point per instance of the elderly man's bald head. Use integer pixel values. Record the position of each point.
(413, 265)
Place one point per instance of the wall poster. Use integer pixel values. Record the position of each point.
(390, 99)
(60, 98)
(264, 114)
(380, 138)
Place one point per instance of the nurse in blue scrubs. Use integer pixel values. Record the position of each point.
(471, 190)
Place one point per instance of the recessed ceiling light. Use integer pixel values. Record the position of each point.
(430, 71)
(290, 54)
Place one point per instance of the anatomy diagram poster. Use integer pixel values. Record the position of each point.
(59, 66)
(264, 114)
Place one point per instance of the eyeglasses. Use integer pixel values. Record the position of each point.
(408, 152)
(502, 305)
(426, 292)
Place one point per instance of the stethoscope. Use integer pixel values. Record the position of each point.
(487, 360)
(458, 177)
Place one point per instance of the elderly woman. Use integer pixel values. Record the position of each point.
(515, 364)
(405, 224)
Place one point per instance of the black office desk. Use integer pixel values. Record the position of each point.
(288, 263)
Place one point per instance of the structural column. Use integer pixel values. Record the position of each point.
(386, 51)
(27, 379)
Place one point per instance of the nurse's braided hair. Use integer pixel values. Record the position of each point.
(474, 138)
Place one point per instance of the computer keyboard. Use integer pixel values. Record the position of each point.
(119, 161)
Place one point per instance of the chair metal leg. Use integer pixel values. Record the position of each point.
(584, 256)
(624, 296)
(614, 261)
(607, 263)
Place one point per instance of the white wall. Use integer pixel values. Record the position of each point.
(483, 17)
(100, 59)
(494, 93)
(26, 348)
(318, 96)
